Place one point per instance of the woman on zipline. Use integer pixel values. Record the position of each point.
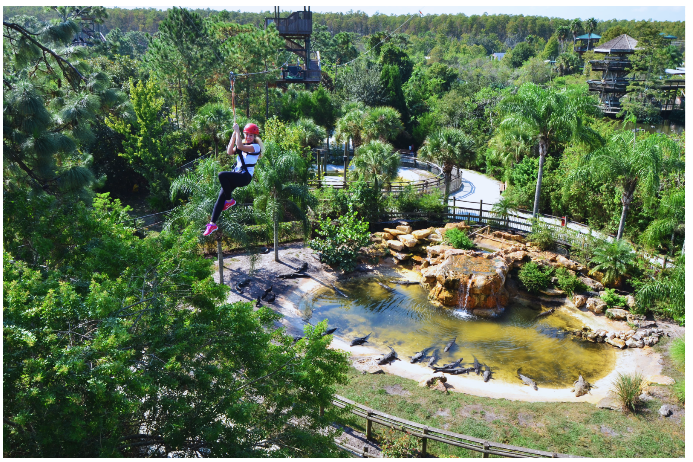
(248, 154)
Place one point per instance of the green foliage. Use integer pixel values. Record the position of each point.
(518, 55)
(613, 259)
(399, 445)
(542, 235)
(339, 241)
(376, 161)
(568, 63)
(411, 200)
(569, 282)
(678, 352)
(612, 299)
(667, 294)
(628, 388)
(534, 278)
(381, 123)
(448, 147)
(458, 239)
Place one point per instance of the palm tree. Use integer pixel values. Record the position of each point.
(575, 29)
(669, 288)
(629, 163)
(382, 123)
(351, 126)
(590, 25)
(212, 121)
(670, 220)
(313, 134)
(562, 34)
(551, 117)
(613, 259)
(448, 147)
(281, 188)
(376, 161)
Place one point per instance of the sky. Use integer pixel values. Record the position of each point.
(633, 9)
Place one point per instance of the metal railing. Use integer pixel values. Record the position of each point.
(426, 433)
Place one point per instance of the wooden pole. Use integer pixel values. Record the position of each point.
(220, 255)
(369, 427)
(317, 161)
(481, 209)
(424, 443)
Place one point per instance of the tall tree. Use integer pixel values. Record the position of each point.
(630, 163)
(590, 26)
(213, 120)
(376, 161)
(562, 34)
(551, 117)
(449, 147)
(383, 123)
(575, 29)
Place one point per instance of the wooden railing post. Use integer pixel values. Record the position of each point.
(481, 209)
(424, 442)
(486, 446)
(369, 426)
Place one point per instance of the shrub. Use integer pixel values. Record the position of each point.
(613, 259)
(458, 239)
(534, 278)
(340, 241)
(398, 446)
(569, 282)
(612, 299)
(542, 235)
(628, 387)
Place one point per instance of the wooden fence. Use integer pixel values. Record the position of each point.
(426, 433)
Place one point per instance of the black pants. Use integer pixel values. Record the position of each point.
(229, 181)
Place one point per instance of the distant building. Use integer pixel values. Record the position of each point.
(497, 56)
(586, 42)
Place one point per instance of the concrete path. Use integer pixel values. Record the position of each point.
(477, 187)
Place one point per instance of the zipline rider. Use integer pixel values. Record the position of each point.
(248, 154)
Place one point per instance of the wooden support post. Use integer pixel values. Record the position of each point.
(486, 446)
(481, 209)
(424, 442)
(317, 162)
(369, 427)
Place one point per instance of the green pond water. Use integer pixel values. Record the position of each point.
(406, 320)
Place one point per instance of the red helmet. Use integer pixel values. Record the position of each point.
(251, 128)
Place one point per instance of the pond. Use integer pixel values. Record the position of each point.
(406, 320)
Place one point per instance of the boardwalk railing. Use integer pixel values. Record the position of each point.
(426, 433)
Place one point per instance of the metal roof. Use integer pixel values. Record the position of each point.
(621, 44)
(588, 37)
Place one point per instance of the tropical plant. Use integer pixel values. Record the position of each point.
(628, 162)
(351, 126)
(542, 235)
(613, 259)
(562, 33)
(569, 282)
(281, 188)
(213, 120)
(670, 220)
(668, 291)
(612, 299)
(575, 28)
(381, 123)
(448, 147)
(550, 117)
(628, 388)
(590, 25)
(313, 135)
(502, 208)
(376, 161)
(458, 239)
(534, 278)
(338, 242)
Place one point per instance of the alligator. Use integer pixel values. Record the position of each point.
(389, 289)
(433, 359)
(267, 293)
(244, 282)
(527, 381)
(403, 282)
(389, 357)
(419, 355)
(258, 304)
(545, 313)
(477, 366)
(581, 386)
(447, 366)
(330, 331)
(303, 268)
(487, 374)
(339, 291)
(360, 340)
(450, 344)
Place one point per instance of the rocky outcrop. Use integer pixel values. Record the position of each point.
(408, 240)
(395, 245)
(630, 339)
(617, 314)
(596, 305)
(592, 284)
(579, 300)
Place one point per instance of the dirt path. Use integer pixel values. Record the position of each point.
(290, 292)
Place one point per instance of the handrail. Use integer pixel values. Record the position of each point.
(426, 433)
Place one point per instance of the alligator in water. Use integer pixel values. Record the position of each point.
(403, 282)
(339, 291)
(448, 366)
(360, 340)
(487, 374)
(450, 344)
(433, 359)
(389, 357)
(545, 313)
(389, 289)
(477, 366)
(330, 331)
(527, 381)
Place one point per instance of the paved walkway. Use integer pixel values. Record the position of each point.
(477, 187)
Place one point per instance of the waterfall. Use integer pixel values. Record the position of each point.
(464, 293)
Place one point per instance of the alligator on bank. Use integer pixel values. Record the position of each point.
(389, 357)
(527, 381)
(360, 340)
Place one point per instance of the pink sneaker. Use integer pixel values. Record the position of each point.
(229, 204)
(211, 227)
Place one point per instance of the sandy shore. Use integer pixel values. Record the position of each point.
(290, 293)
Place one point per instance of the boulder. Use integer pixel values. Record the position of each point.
(434, 250)
(408, 240)
(385, 236)
(596, 305)
(592, 284)
(665, 410)
(399, 256)
(405, 229)
(461, 225)
(561, 261)
(395, 245)
(394, 232)
(630, 302)
(639, 344)
(421, 233)
(435, 237)
(630, 343)
(611, 401)
(375, 238)
(615, 313)
(579, 300)
(617, 342)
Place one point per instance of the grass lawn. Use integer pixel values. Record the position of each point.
(570, 428)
